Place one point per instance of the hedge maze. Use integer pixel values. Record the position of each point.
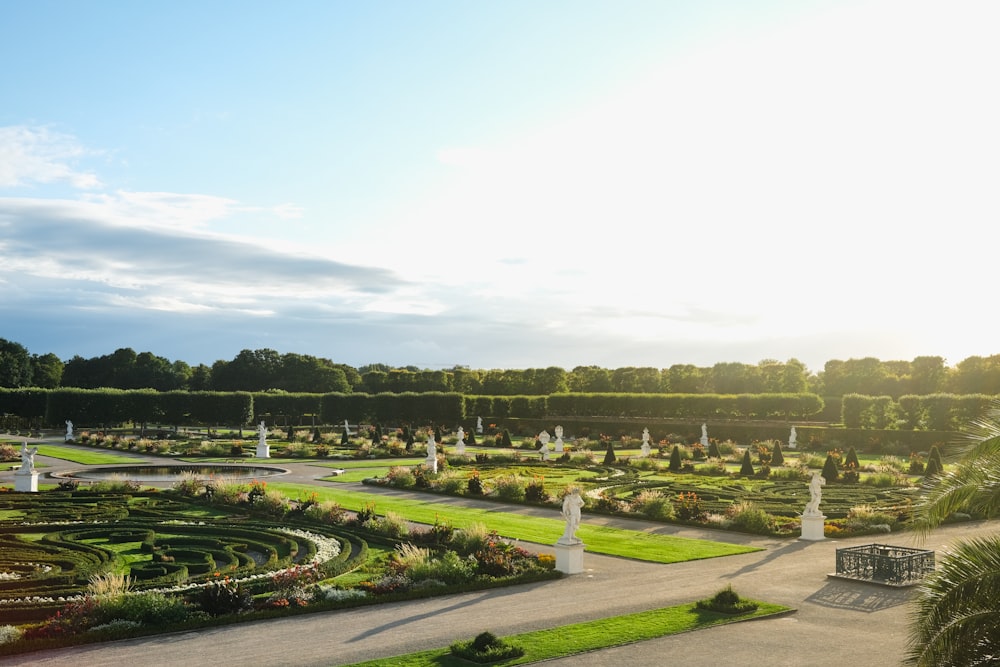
(50, 547)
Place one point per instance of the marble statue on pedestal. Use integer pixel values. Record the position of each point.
(815, 495)
(571, 512)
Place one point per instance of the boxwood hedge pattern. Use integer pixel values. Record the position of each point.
(53, 545)
(777, 497)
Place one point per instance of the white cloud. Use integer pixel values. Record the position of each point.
(39, 155)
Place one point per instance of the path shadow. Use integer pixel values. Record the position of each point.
(769, 555)
(859, 596)
(416, 618)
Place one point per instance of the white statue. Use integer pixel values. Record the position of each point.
(815, 495)
(431, 461)
(559, 440)
(347, 428)
(571, 506)
(791, 439)
(544, 438)
(460, 445)
(704, 435)
(645, 442)
(27, 459)
(262, 433)
(69, 430)
(479, 424)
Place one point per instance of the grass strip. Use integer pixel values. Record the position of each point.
(591, 635)
(633, 544)
(83, 456)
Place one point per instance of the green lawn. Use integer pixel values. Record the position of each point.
(83, 456)
(599, 539)
(590, 636)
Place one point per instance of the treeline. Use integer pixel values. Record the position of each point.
(267, 370)
(52, 407)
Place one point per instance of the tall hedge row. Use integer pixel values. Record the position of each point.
(933, 412)
(683, 406)
(928, 412)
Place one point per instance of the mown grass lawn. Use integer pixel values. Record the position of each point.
(650, 547)
(83, 456)
(591, 635)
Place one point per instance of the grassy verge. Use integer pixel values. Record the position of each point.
(591, 635)
(599, 539)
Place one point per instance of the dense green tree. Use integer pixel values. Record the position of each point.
(928, 375)
(15, 364)
(46, 371)
(200, 378)
(732, 378)
(632, 380)
(746, 469)
(250, 370)
(590, 379)
(687, 379)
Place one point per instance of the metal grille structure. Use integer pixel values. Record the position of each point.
(884, 564)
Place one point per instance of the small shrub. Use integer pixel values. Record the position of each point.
(146, 608)
(400, 477)
(9, 634)
(727, 601)
(654, 505)
(328, 512)
(535, 491)
(748, 517)
(688, 507)
(509, 487)
(451, 482)
(486, 647)
(224, 596)
(475, 484)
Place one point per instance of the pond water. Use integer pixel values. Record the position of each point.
(160, 473)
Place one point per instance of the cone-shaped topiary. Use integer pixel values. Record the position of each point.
(505, 440)
(675, 459)
(746, 470)
(777, 458)
(713, 450)
(830, 471)
(934, 464)
(609, 455)
(470, 437)
(852, 458)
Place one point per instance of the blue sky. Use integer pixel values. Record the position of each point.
(508, 184)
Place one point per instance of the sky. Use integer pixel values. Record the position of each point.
(514, 184)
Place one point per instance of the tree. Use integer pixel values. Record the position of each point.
(957, 617)
(777, 457)
(830, 471)
(675, 459)
(15, 364)
(746, 470)
(46, 371)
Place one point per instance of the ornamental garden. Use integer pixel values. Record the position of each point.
(91, 561)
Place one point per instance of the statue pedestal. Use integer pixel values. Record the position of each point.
(432, 464)
(812, 527)
(263, 450)
(569, 557)
(26, 481)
